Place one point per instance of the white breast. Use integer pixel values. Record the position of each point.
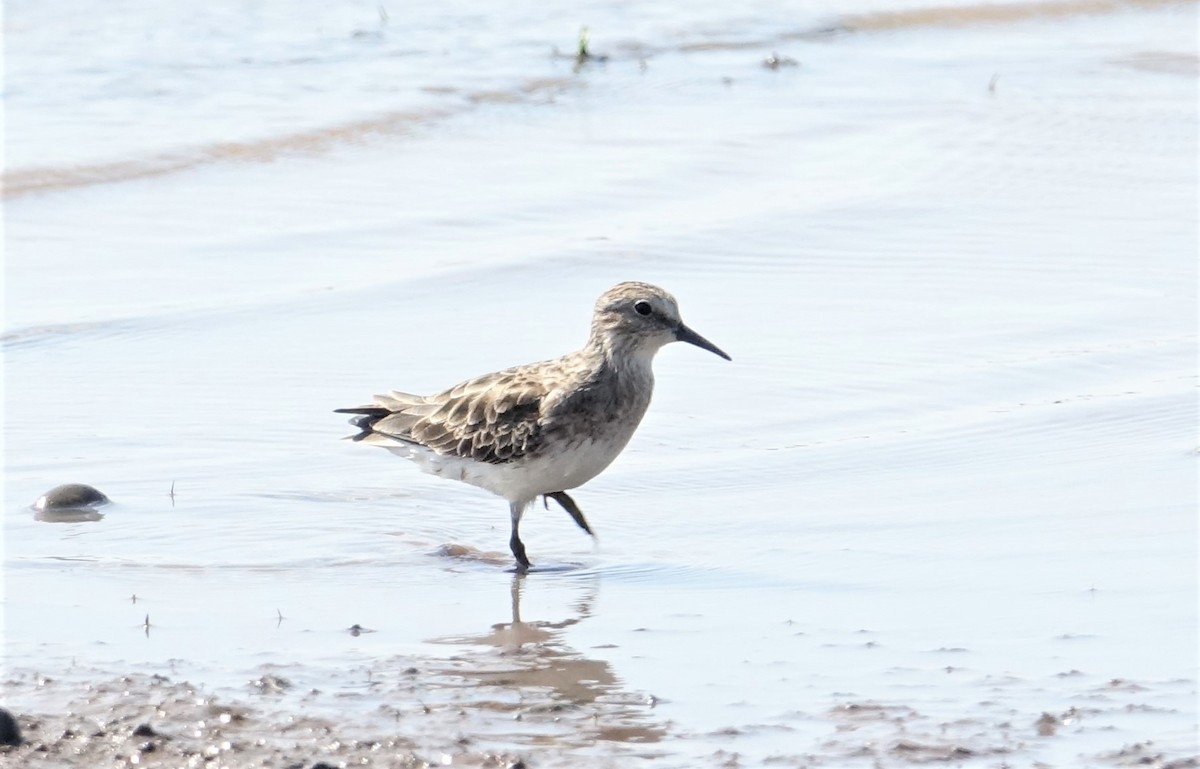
(569, 467)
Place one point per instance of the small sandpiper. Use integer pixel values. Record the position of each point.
(539, 429)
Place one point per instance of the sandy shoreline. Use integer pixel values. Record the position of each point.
(526, 705)
(940, 511)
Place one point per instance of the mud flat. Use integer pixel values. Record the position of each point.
(941, 509)
(513, 714)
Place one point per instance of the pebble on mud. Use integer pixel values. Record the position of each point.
(1047, 725)
(145, 730)
(271, 684)
(10, 732)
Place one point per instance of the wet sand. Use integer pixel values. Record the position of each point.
(940, 511)
(523, 705)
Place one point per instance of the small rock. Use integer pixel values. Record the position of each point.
(1047, 725)
(70, 503)
(71, 496)
(10, 732)
(271, 684)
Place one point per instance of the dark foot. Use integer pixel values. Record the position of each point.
(518, 551)
(568, 504)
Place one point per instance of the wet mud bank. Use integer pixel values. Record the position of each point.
(517, 707)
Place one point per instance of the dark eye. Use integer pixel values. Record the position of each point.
(642, 308)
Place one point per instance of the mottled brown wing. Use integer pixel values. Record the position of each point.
(494, 418)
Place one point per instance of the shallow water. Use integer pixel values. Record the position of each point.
(947, 485)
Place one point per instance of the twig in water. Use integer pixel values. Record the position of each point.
(583, 54)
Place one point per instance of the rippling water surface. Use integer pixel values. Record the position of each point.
(948, 484)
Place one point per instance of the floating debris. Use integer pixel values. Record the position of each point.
(583, 53)
(775, 61)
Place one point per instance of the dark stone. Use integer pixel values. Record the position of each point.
(70, 496)
(145, 730)
(10, 732)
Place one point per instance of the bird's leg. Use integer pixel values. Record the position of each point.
(572, 509)
(514, 542)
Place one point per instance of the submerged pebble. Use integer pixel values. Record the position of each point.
(70, 496)
(70, 503)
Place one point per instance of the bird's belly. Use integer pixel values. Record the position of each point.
(575, 464)
(565, 467)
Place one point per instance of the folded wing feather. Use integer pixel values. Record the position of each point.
(495, 418)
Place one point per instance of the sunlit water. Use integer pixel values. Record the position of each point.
(952, 467)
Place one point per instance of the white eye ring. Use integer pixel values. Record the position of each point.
(642, 308)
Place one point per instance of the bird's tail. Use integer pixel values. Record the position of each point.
(365, 419)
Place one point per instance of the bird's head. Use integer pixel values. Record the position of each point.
(636, 319)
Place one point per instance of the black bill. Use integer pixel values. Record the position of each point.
(685, 334)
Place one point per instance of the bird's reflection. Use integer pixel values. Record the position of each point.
(533, 658)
